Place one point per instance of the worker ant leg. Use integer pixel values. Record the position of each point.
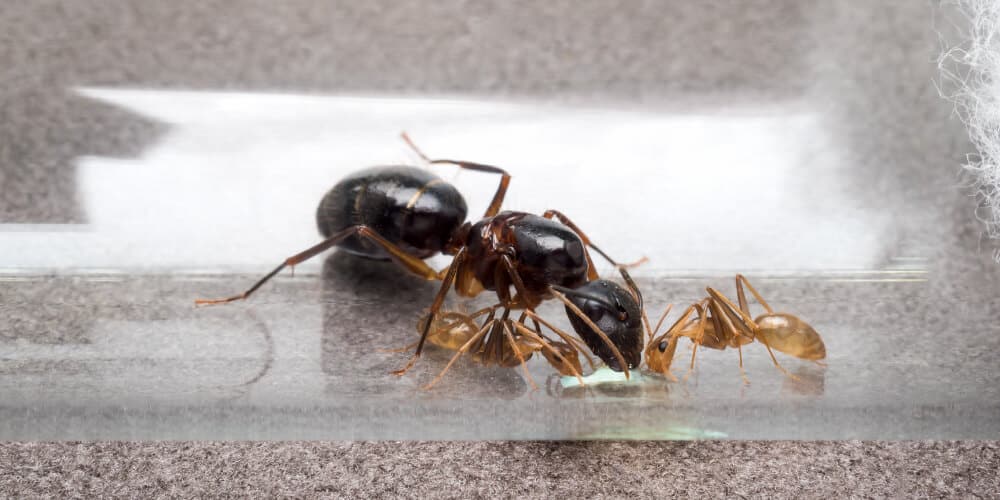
(517, 352)
(679, 329)
(727, 330)
(498, 197)
(743, 373)
(730, 313)
(660, 361)
(492, 348)
(577, 344)
(652, 333)
(456, 319)
(546, 346)
(698, 337)
(740, 281)
(409, 262)
(446, 284)
(744, 325)
(462, 350)
(778, 365)
(734, 322)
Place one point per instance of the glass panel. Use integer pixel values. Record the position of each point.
(806, 149)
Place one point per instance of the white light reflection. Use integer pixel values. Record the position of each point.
(235, 182)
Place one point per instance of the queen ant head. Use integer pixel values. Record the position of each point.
(616, 312)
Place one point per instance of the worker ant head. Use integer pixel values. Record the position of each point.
(616, 312)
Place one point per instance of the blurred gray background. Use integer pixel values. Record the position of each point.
(872, 63)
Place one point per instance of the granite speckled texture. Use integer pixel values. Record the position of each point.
(872, 63)
(507, 470)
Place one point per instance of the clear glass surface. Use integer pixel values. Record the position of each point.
(818, 160)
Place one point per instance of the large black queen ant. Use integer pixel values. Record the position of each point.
(408, 214)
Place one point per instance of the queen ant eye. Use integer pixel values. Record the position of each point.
(622, 313)
(594, 311)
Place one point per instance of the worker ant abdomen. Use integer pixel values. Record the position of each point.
(408, 206)
(790, 335)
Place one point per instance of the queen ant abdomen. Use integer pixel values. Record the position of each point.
(408, 206)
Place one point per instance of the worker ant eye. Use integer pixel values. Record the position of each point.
(663, 346)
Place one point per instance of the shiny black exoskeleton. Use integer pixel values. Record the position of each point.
(615, 310)
(542, 252)
(408, 206)
(408, 214)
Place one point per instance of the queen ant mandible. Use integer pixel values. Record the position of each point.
(408, 214)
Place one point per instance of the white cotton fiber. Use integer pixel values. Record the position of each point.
(972, 76)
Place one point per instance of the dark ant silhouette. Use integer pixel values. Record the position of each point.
(407, 214)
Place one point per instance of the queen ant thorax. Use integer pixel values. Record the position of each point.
(407, 214)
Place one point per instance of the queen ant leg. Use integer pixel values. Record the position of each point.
(520, 289)
(494, 206)
(411, 263)
(591, 269)
(493, 348)
(549, 214)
